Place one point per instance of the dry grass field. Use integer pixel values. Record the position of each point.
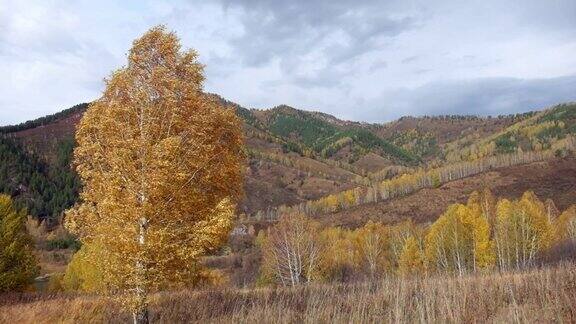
(546, 295)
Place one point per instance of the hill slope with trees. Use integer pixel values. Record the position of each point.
(296, 156)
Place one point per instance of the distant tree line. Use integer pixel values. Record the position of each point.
(326, 139)
(43, 120)
(517, 116)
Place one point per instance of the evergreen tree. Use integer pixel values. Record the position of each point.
(45, 190)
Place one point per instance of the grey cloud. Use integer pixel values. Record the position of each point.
(490, 96)
(552, 14)
(410, 59)
(50, 40)
(340, 56)
(422, 71)
(342, 30)
(289, 30)
(379, 64)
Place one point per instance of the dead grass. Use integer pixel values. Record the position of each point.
(544, 295)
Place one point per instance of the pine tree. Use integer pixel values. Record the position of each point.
(160, 164)
(17, 262)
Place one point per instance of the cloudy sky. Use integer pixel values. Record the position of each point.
(359, 60)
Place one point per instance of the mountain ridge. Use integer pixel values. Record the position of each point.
(295, 155)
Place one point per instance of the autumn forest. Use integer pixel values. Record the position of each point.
(162, 202)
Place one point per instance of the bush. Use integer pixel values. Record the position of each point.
(18, 265)
(55, 283)
(68, 242)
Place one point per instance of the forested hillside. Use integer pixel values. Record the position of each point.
(44, 189)
(298, 157)
(325, 135)
(538, 131)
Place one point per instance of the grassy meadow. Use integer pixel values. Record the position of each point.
(535, 296)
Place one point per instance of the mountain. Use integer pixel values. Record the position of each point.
(426, 135)
(296, 156)
(46, 189)
(536, 132)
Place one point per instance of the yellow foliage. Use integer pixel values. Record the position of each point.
(372, 242)
(411, 261)
(399, 233)
(338, 257)
(212, 277)
(18, 265)
(331, 202)
(84, 272)
(484, 255)
(161, 166)
(349, 198)
(523, 229)
(291, 251)
(459, 241)
(565, 225)
(538, 215)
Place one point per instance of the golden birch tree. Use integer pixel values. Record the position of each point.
(479, 215)
(160, 164)
(338, 256)
(566, 225)
(291, 250)
(399, 234)
(411, 261)
(522, 231)
(372, 243)
(459, 241)
(485, 199)
(450, 242)
(83, 273)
